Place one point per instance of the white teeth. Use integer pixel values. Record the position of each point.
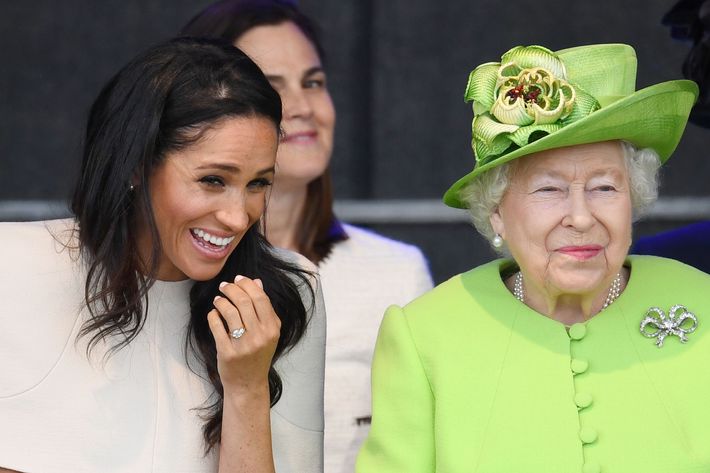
(215, 240)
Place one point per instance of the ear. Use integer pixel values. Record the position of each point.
(497, 222)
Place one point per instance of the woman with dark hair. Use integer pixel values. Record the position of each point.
(362, 272)
(164, 333)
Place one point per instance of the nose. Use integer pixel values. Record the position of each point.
(579, 215)
(295, 103)
(233, 215)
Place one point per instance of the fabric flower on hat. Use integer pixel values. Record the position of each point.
(520, 99)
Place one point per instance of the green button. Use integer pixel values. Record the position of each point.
(588, 435)
(591, 467)
(577, 331)
(579, 366)
(583, 400)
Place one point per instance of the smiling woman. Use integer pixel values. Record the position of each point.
(541, 361)
(226, 173)
(351, 261)
(164, 330)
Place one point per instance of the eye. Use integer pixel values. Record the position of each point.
(260, 183)
(605, 188)
(314, 83)
(212, 181)
(546, 189)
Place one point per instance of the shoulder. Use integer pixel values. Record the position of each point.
(666, 273)
(365, 241)
(311, 293)
(389, 271)
(29, 242)
(302, 263)
(462, 302)
(295, 259)
(647, 263)
(480, 283)
(41, 295)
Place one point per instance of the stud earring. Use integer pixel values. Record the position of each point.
(497, 241)
(131, 187)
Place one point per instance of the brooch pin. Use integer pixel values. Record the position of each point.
(678, 322)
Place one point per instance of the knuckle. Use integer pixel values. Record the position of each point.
(241, 299)
(262, 298)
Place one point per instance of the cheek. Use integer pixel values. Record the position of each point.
(325, 112)
(255, 206)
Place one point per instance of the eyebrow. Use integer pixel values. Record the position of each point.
(558, 175)
(309, 72)
(234, 169)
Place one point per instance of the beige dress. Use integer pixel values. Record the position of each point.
(138, 410)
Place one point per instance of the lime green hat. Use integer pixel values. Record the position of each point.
(535, 99)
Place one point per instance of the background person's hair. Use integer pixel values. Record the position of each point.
(228, 20)
(484, 193)
(162, 101)
(689, 21)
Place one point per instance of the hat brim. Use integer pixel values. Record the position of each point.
(653, 117)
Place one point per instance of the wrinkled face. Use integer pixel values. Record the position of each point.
(566, 217)
(206, 196)
(291, 63)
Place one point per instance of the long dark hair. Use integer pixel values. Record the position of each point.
(162, 101)
(228, 20)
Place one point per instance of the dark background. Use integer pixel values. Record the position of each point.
(397, 70)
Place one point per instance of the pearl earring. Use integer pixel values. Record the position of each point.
(497, 241)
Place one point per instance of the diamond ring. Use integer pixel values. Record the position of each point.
(238, 332)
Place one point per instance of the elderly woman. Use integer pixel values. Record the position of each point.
(569, 355)
(157, 330)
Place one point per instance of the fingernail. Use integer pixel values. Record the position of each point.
(216, 298)
(222, 284)
(238, 278)
(259, 283)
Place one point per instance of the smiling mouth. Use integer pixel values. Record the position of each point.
(209, 241)
(304, 136)
(584, 252)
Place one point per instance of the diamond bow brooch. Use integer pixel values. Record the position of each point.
(679, 322)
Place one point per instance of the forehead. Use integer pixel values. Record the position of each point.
(248, 140)
(573, 162)
(277, 47)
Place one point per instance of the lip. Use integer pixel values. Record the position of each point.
(582, 252)
(207, 249)
(305, 137)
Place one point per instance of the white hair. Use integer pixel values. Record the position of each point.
(484, 193)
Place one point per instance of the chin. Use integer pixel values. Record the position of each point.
(580, 282)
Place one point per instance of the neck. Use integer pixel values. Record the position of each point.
(283, 218)
(569, 309)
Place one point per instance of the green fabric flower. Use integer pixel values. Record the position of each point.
(520, 99)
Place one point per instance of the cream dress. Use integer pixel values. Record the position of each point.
(139, 409)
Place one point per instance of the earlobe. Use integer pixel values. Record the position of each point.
(497, 222)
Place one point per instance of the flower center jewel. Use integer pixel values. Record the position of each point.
(529, 93)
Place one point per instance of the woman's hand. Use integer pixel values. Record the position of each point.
(243, 362)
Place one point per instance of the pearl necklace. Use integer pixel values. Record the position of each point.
(614, 290)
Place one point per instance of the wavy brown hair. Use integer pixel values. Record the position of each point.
(162, 101)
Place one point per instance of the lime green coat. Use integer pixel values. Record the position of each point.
(466, 379)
